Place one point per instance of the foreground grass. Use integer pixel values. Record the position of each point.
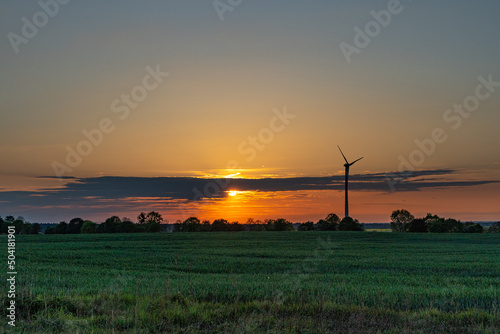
(290, 282)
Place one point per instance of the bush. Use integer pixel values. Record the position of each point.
(235, 227)
(417, 226)
(152, 227)
(28, 228)
(307, 226)
(177, 226)
(256, 226)
(61, 228)
(220, 225)
(495, 228)
(206, 226)
(330, 223)
(349, 224)
(75, 226)
(127, 227)
(87, 227)
(50, 230)
(192, 224)
(441, 225)
(473, 228)
(280, 224)
(110, 225)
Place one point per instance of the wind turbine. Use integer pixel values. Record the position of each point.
(347, 165)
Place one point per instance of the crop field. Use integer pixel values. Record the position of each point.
(251, 282)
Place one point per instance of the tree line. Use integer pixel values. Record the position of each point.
(152, 222)
(20, 224)
(146, 223)
(403, 221)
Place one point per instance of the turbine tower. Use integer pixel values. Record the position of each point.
(347, 165)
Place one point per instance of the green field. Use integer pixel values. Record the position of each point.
(282, 282)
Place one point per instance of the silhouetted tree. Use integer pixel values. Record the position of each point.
(154, 217)
(151, 217)
(152, 227)
(20, 225)
(88, 227)
(437, 224)
(235, 227)
(471, 227)
(268, 223)
(110, 225)
(307, 226)
(400, 219)
(251, 221)
(192, 224)
(279, 224)
(178, 226)
(50, 230)
(322, 225)
(495, 228)
(61, 228)
(36, 228)
(206, 226)
(220, 225)
(454, 226)
(255, 225)
(417, 226)
(127, 226)
(332, 218)
(349, 224)
(330, 223)
(141, 218)
(430, 217)
(75, 225)
(28, 228)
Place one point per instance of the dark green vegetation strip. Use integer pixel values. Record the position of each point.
(295, 282)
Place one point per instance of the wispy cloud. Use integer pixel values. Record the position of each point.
(102, 194)
(111, 187)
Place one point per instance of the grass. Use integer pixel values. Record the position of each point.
(290, 282)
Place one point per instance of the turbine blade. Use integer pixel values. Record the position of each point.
(347, 162)
(352, 163)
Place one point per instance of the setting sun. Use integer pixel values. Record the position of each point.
(232, 193)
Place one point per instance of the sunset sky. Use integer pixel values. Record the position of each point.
(202, 108)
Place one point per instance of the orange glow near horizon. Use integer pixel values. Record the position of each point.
(475, 203)
(366, 206)
(472, 203)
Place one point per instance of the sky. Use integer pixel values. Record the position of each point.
(234, 109)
